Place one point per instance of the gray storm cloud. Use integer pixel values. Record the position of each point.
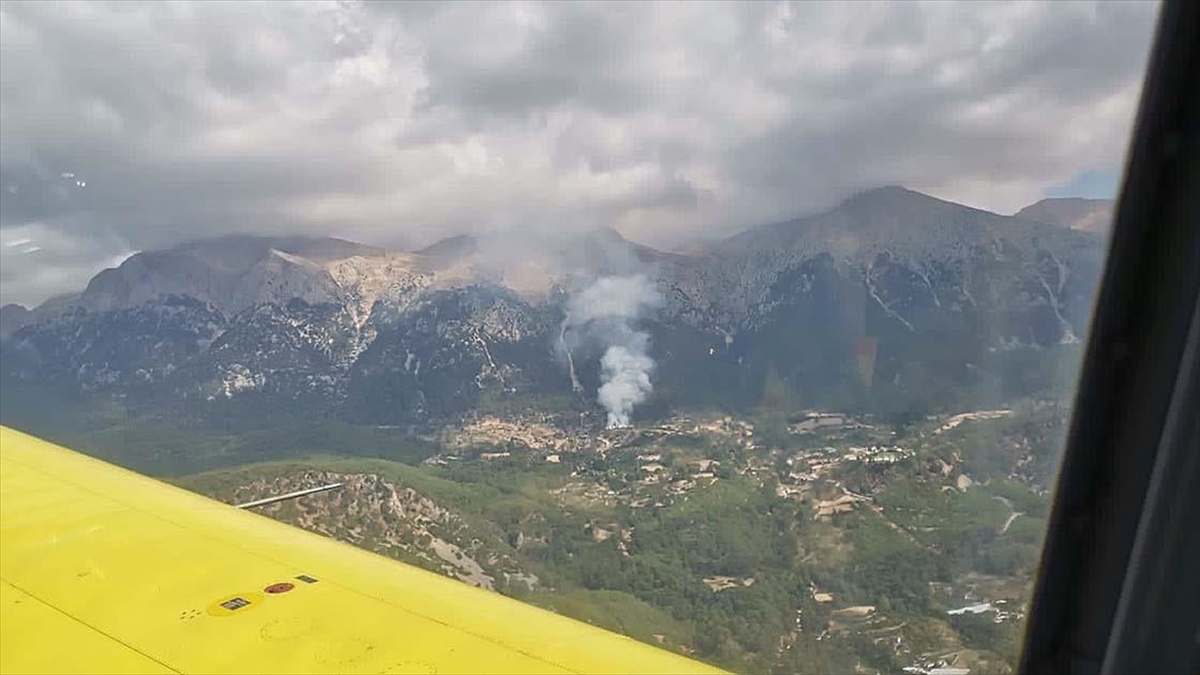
(605, 314)
(136, 125)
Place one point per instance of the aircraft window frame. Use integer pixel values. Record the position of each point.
(1132, 446)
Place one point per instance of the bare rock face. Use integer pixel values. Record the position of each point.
(374, 512)
(232, 273)
(891, 296)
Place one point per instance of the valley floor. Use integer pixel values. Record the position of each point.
(814, 543)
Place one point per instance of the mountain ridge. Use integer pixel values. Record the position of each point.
(324, 249)
(893, 299)
(1088, 215)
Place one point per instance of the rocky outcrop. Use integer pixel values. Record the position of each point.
(374, 512)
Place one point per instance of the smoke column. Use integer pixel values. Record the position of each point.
(604, 313)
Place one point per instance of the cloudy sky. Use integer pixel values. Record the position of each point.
(126, 126)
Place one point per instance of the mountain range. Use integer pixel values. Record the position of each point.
(893, 302)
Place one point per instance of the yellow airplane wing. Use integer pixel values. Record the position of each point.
(104, 570)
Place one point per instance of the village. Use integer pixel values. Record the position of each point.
(830, 465)
(656, 464)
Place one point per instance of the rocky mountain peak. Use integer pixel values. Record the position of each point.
(232, 273)
(12, 317)
(897, 202)
(457, 246)
(894, 221)
(1088, 215)
(883, 196)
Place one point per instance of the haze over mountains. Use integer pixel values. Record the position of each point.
(1091, 215)
(894, 301)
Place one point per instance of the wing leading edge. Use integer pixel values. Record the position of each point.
(104, 570)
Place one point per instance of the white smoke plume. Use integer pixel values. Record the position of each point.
(626, 376)
(604, 314)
